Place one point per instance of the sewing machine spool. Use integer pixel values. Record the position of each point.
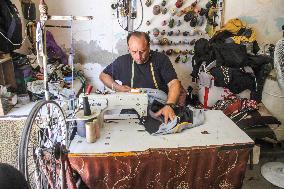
(97, 128)
(86, 106)
(90, 132)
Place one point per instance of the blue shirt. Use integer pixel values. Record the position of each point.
(121, 69)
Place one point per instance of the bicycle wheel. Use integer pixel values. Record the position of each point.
(43, 141)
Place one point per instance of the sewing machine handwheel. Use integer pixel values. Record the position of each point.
(44, 135)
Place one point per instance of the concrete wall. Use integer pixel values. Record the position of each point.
(265, 16)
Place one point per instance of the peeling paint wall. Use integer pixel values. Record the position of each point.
(94, 41)
(265, 16)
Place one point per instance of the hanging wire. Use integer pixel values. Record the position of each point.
(127, 17)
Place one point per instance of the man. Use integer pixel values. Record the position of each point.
(143, 68)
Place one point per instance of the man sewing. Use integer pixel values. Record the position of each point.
(143, 68)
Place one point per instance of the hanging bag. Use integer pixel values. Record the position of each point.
(10, 27)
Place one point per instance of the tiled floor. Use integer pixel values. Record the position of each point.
(254, 179)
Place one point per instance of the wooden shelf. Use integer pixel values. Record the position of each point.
(7, 74)
(7, 78)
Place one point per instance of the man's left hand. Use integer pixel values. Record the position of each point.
(167, 112)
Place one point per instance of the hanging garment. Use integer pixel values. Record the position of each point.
(10, 27)
(54, 52)
(233, 78)
(233, 25)
(246, 35)
(233, 105)
(202, 53)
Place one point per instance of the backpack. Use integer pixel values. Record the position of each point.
(202, 53)
(10, 27)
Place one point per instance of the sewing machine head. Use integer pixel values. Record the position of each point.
(112, 106)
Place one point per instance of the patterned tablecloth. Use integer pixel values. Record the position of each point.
(212, 167)
(213, 155)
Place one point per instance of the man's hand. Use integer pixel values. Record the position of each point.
(110, 83)
(123, 88)
(167, 112)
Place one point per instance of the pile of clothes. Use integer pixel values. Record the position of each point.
(29, 74)
(230, 61)
(238, 66)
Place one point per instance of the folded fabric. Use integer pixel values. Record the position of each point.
(187, 117)
(155, 94)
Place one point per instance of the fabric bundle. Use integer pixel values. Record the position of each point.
(186, 117)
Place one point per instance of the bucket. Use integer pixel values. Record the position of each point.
(81, 120)
(81, 129)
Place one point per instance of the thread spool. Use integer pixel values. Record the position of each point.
(90, 132)
(81, 127)
(81, 121)
(97, 128)
(86, 106)
(89, 89)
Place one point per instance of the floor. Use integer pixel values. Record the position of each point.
(253, 178)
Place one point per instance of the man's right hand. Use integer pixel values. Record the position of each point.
(123, 88)
(109, 82)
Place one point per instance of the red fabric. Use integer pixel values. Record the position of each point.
(210, 168)
(234, 107)
(206, 97)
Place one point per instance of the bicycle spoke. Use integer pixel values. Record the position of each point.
(44, 133)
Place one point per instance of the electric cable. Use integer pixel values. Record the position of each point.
(141, 21)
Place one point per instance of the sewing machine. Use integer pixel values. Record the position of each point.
(111, 106)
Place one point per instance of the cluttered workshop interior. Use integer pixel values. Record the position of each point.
(160, 94)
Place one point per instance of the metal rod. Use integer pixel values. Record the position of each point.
(55, 26)
(44, 63)
(43, 9)
(81, 18)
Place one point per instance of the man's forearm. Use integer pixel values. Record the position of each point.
(107, 80)
(174, 91)
(110, 83)
(173, 95)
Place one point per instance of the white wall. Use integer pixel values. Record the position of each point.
(265, 16)
(100, 41)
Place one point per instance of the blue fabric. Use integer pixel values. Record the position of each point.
(188, 118)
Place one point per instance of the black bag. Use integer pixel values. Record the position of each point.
(233, 78)
(10, 27)
(202, 53)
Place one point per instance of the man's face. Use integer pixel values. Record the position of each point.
(139, 49)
